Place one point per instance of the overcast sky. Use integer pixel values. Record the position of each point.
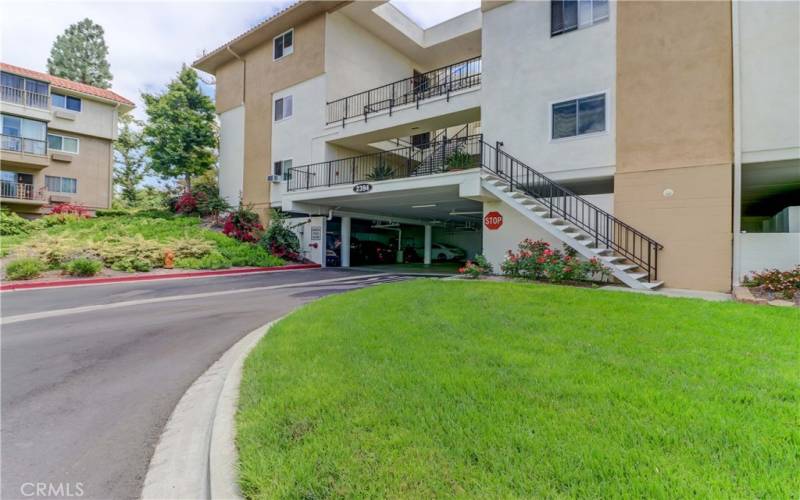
(148, 41)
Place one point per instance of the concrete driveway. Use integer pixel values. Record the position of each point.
(91, 374)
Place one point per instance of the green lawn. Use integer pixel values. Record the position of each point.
(484, 389)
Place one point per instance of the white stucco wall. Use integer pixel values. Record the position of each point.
(525, 71)
(311, 233)
(231, 154)
(355, 60)
(769, 250)
(769, 43)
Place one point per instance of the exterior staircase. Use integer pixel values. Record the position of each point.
(630, 256)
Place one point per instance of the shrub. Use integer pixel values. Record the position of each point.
(775, 281)
(214, 260)
(83, 267)
(130, 253)
(475, 268)
(380, 172)
(51, 220)
(279, 239)
(460, 160)
(250, 255)
(191, 247)
(209, 202)
(56, 250)
(112, 212)
(242, 224)
(186, 203)
(536, 260)
(12, 224)
(69, 209)
(24, 269)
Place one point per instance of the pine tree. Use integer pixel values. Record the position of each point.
(130, 166)
(181, 135)
(80, 54)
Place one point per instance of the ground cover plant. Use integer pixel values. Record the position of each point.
(483, 389)
(775, 283)
(135, 242)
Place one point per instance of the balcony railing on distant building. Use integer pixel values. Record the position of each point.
(23, 145)
(19, 191)
(437, 82)
(24, 98)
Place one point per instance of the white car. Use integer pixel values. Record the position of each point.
(443, 251)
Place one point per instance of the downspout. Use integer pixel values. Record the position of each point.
(737, 145)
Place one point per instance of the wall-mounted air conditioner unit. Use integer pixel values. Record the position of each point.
(274, 178)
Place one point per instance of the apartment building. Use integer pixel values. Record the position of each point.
(660, 137)
(56, 141)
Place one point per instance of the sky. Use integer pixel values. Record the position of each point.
(148, 40)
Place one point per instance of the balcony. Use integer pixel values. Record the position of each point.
(24, 152)
(18, 192)
(21, 97)
(409, 91)
(448, 155)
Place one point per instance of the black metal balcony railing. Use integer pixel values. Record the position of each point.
(24, 97)
(441, 81)
(456, 153)
(18, 191)
(23, 145)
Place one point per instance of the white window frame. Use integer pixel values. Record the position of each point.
(65, 108)
(61, 183)
(62, 144)
(283, 107)
(606, 113)
(283, 166)
(579, 26)
(285, 52)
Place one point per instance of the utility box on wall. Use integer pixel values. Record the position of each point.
(311, 232)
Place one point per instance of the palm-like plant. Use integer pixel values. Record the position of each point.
(381, 172)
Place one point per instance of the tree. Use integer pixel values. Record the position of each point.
(130, 165)
(80, 54)
(181, 135)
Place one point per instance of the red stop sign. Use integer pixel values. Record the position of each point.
(493, 220)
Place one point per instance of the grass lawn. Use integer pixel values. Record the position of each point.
(484, 389)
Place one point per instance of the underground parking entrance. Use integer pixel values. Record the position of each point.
(394, 228)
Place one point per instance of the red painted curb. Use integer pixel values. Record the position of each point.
(122, 279)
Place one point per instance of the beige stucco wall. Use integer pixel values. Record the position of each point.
(262, 78)
(674, 132)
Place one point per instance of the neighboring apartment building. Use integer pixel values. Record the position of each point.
(56, 141)
(662, 137)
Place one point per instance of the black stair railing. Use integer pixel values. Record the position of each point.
(440, 81)
(606, 230)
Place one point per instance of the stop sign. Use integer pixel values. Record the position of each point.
(493, 220)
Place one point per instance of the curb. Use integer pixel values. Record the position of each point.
(124, 279)
(196, 454)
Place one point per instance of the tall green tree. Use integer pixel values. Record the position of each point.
(130, 166)
(80, 54)
(181, 135)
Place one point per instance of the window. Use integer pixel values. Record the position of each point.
(66, 102)
(60, 184)
(585, 115)
(282, 168)
(62, 143)
(25, 91)
(569, 15)
(23, 135)
(283, 44)
(283, 108)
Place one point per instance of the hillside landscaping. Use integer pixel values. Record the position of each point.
(122, 242)
(481, 389)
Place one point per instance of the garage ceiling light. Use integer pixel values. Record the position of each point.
(454, 212)
(430, 205)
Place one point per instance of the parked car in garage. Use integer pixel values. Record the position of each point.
(443, 251)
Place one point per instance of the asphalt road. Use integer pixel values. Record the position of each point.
(86, 392)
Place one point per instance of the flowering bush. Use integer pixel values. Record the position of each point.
(186, 203)
(775, 281)
(242, 224)
(536, 260)
(279, 239)
(478, 267)
(69, 209)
